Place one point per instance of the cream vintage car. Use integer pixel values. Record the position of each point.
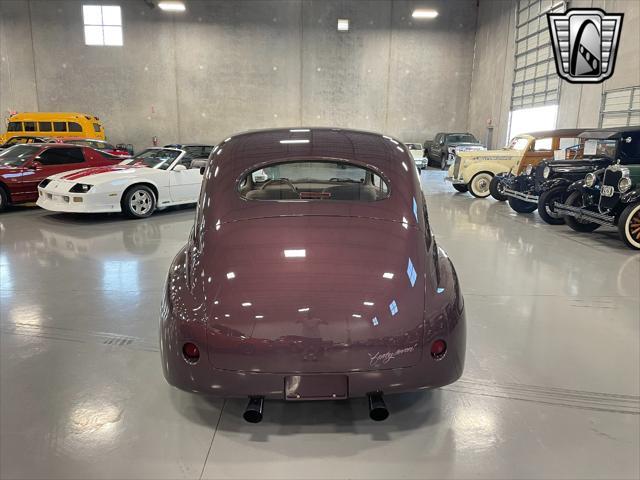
(473, 171)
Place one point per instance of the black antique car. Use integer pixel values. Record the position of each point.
(609, 196)
(548, 182)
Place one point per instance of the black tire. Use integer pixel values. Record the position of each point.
(443, 162)
(461, 187)
(629, 226)
(575, 200)
(521, 206)
(495, 188)
(4, 200)
(545, 205)
(138, 201)
(479, 184)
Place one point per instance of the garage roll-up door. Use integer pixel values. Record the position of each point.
(620, 107)
(535, 81)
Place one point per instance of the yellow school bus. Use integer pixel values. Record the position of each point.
(53, 124)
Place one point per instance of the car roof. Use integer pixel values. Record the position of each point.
(243, 153)
(605, 133)
(560, 132)
(249, 149)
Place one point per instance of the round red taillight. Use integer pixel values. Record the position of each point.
(191, 352)
(438, 349)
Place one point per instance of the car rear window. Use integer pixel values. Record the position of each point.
(313, 180)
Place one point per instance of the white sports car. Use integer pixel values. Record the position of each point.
(154, 179)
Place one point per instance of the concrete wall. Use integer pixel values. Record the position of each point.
(494, 62)
(228, 66)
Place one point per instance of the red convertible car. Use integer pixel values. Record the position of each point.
(23, 167)
(311, 274)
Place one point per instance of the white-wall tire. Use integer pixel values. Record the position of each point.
(480, 184)
(629, 226)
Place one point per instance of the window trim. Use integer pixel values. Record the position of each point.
(102, 25)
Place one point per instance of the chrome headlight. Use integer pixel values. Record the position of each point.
(80, 188)
(624, 184)
(590, 180)
(546, 172)
(529, 169)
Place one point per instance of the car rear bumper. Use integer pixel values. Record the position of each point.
(77, 203)
(427, 373)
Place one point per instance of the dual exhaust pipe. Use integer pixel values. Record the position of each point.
(377, 408)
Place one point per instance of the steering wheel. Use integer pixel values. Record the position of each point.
(286, 181)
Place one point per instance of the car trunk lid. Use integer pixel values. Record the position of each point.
(313, 294)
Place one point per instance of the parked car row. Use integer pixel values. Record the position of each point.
(582, 177)
(88, 176)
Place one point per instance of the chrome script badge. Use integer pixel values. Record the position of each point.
(585, 43)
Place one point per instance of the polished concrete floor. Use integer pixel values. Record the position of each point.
(551, 387)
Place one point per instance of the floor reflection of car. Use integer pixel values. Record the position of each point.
(154, 179)
(303, 252)
(23, 167)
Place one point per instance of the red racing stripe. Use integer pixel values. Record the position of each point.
(97, 170)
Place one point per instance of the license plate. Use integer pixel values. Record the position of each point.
(316, 387)
(607, 191)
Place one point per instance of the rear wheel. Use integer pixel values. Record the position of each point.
(138, 202)
(461, 187)
(521, 206)
(575, 200)
(546, 209)
(496, 188)
(479, 185)
(629, 226)
(4, 200)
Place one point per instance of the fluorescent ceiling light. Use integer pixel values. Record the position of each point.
(172, 6)
(424, 13)
(304, 309)
(295, 141)
(246, 304)
(368, 304)
(259, 316)
(295, 253)
(343, 24)
(299, 130)
(355, 315)
(388, 275)
(231, 275)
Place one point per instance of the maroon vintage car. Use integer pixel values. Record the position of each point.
(311, 274)
(23, 167)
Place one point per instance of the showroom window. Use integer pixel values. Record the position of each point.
(102, 25)
(620, 107)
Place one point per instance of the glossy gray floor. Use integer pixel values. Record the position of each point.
(551, 388)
